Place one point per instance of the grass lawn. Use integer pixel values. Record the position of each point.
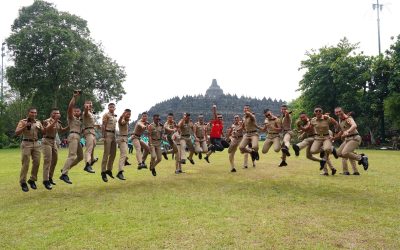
(207, 207)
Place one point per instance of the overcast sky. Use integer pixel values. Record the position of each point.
(252, 47)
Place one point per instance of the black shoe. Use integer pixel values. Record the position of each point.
(47, 185)
(144, 164)
(32, 184)
(52, 182)
(206, 158)
(283, 164)
(233, 170)
(345, 173)
(244, 166)
(285, 150)
(335, 153)
(364, 161)
(296, 149)
(121, 176)
(322, 164)
(88, 168)
(183, 161)
(325, 174)
(65, 178)
(127, 163)
(322, 154)
(94, 161)
(191, 161)
(153, 172)
(334, 171)
(165, 155)
(109, 173)
(24, 187)
(178, 172)
(356, 173)
(257, 156)
(253, 155)
(104, 176)
(200, 156)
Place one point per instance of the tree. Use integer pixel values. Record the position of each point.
(54, 54)
(334, 77)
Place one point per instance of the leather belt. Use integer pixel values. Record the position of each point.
(49, 137)
(30, 140)
(185, 135)
(123, 135)
(137, 135)
(110, 131)
(252, 131)
(88, 128)
(322, 134)
(351, 135)
(74, 132)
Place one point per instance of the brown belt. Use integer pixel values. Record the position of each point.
(110, 131)
(88, 128)
(49, 137)
(352, 135)
(30, 140)
(252, 131)
(74, 132)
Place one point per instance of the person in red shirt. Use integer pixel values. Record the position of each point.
(216, 133)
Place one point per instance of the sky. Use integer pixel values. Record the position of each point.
(252, 47)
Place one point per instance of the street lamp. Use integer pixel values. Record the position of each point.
(378, 8)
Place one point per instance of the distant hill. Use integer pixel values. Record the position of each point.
(228, 105)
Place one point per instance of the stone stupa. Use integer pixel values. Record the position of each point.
(214, 91)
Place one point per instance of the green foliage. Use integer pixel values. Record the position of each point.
(53, 54)
(392, 107)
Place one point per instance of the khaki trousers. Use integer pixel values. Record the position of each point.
(269, 142)
(324, 142)
(75, 153)
(178, 165)
(233, 146)
(50, 157)
(123, 149)
(139, 145)
(286, 138)
(186, 141)
(172, 144)
(90, 145)
(352, 163)
(200, 147)
(306, 143)
(109, 153)
(346, 149)
(329, 164)
(28, 150)
(155, 152)
(247, 139)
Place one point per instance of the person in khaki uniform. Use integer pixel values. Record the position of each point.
(109, 122)
(287, 132)
(250, 134)
(273, 126)
(186, 127)
(123, 126)
(322, 136)
(52, 126)
(351, 140)
(155, 131)
(200, 136)
(90, 136)
(170, 129)
(29, 128)
(75, 153)
(176, 137)
(307, 134)
(139, 129)
(235, 134)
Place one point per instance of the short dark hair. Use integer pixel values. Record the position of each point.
(31, 108)
(156, 115)
(303, 113)
(266, 110)
(170, 114)
(54, 109)
(127, 110)
(283, 106)
(144, 113)
(111, 104)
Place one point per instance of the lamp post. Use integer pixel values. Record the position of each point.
(2, 74)
(378, 8)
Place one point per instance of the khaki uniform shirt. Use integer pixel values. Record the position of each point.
(140, 127)
(170, 126)
(309, 132)
(201, 130)
(237, 131)
(186, 129)
(110, 122)
(321, 127)
(123, 127)
(30, 134)
(155, 134)
(271, 124)
(88, 124)
(250, 125)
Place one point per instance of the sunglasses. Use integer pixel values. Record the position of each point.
(317, 111)
(219, 117)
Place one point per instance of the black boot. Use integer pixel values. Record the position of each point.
(322, 164)
(165, 155)
(52, 182)
(65, 178)
(127, 163)
(32, 184)
(285, 150)
(296, 149)
(153, 172)
(104, 176)
(47, 185)
(121, 176)
(109, 173)
(88, 168)
(24, 187)
(283, 164)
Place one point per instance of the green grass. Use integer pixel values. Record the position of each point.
(207, 207)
